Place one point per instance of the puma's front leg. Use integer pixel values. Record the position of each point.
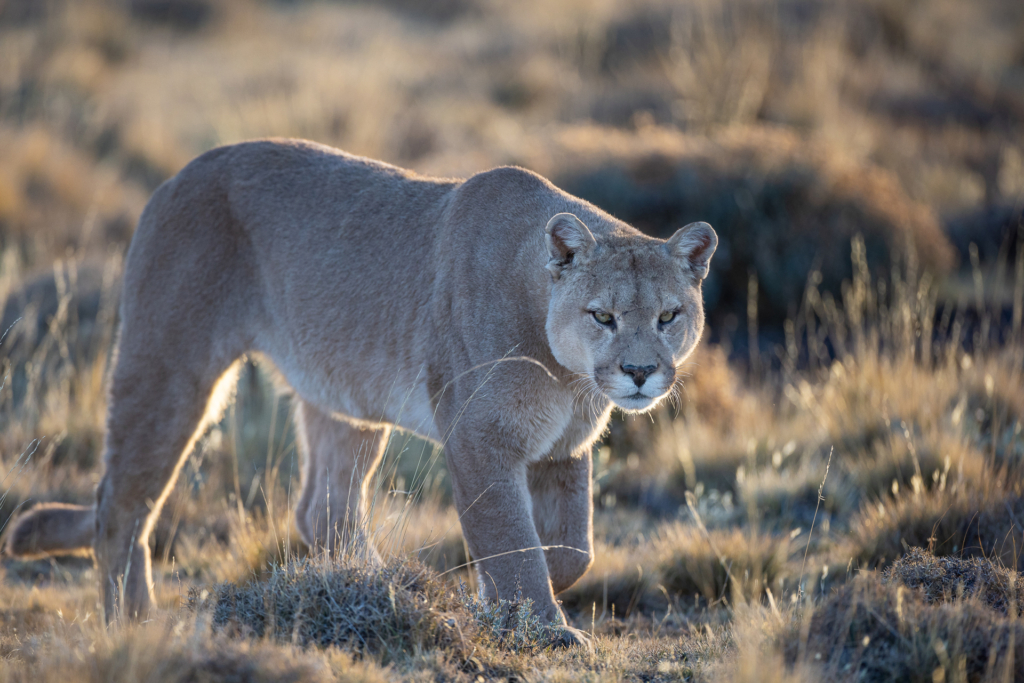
(563, 516)
(491, 440)
(497, 515)
(495, 510)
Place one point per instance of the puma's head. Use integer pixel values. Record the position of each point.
(625, 312)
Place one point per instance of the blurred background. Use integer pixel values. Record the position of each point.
(790, 125)
(861, 160)
(800, 122)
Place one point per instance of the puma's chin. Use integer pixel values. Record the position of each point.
(635, 403)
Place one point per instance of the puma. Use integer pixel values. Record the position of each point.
(497, 315)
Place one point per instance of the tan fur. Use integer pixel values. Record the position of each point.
(461, 310)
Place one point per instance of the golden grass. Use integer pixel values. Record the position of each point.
(953, 480)
(904, 113)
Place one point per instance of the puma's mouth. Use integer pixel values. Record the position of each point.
(637, 402)
(631, 398)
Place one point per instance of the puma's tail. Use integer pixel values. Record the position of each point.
(52, 529)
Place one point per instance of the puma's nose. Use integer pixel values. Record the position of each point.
(640, 372)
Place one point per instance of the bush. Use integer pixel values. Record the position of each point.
(950, 579)
(886, 631)
(55, 200)
(398, 608)
(153, 654)
(981, 522)
(183, 15)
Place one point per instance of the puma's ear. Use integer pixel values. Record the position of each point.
(566, 237)
(696, 243)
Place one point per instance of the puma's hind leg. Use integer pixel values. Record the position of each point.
(157, 411)
(189, 306)
(338, 462)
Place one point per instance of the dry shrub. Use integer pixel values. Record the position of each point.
(399, 608)
(869, 397)
(991, 408)
(704, 64)
(719, 62)
(711, 388)
(426, 529)
(679, 563)
(789, 495)
(725, 564)
(983, 520)
(893, 420)
(782, 207)
(949, 579)
(875, 473)
(67, 310)
(59, 327)
(53, 360)
(994, 229)
(870, 631)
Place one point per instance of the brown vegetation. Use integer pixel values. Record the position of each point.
(835, 495)
(921, 624)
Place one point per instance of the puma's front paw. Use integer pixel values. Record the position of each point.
(567, 636)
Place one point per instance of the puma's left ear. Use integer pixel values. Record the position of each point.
(567, 237)
(696, 243)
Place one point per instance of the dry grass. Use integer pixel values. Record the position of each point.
(389, 610)
(821, 140)
(870, 631)
(782, 207)
(973, 522)
(948, 579)
(734, 566)
(622, 583)
(177, 651)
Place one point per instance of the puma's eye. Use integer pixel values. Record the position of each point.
(667, 316)
(603, 318)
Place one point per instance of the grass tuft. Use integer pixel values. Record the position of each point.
(732, 564)
(948, 579)
(978, 522)
(398, 608)
(873, 631)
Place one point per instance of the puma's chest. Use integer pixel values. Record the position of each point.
(560, 429)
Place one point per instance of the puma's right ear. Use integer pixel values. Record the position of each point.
(566, 237)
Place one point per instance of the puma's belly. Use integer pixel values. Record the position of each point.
(408, 409)
(402, 401)
(412, 411)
